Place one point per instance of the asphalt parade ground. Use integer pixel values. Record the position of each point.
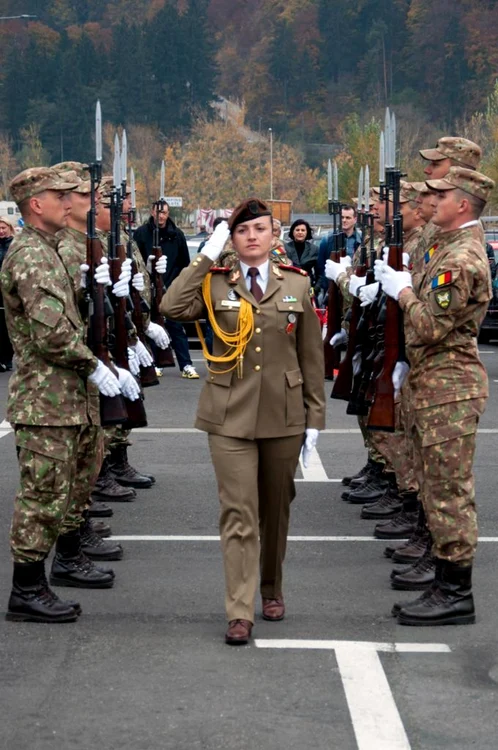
(146, 666)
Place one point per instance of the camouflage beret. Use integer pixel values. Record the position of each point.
(465, 152)
(250, 209)
(468, 180)
(36, 180)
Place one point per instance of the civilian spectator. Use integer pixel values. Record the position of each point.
(6, 351)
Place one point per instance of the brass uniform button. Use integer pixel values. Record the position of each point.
(257, 368)
(258, 311)
(290, 307)
(257, 330)
(258, 349)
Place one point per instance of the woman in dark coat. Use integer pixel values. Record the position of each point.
(6, 351)
(300, 249)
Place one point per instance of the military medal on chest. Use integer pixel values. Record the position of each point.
(291, 324)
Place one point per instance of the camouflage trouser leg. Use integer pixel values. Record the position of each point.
(373, 453)
(383, 445)
(116, 435)
(444, 440)
(401, 446)
(47, 464)
(90, 455)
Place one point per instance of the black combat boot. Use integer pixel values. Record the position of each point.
(125, 474)
(31, 599)
(414, 548)
(70, 567)
(370, 491)
(402, 523)
(99, 510)
(97, 548)
(375, 470)
(106, 487)
(100, 527)
(359, 474)
(449, 601)
(386, 506)
(418, 576)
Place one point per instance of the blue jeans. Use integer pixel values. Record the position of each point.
(179, 342)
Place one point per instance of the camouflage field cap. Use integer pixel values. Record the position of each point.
(36, 180)
(421, 187)
(409, 191)
(465, 152)
(468, 180)
(105, 189)
(77, 170)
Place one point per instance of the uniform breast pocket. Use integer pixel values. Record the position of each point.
(227, 313)
(288, 316)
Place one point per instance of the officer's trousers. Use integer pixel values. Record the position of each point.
(256, 487)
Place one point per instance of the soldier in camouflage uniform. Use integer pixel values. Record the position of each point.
(48, 403)
(449, 388)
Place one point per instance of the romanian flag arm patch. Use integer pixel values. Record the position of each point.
(430, 252)
(442, 280)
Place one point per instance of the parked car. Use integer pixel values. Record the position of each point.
(489, 327)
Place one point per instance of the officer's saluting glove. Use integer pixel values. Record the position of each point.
(105, 380)
(339, 338)
(143, 354)
(128, 385)
(393, 282)
(401, 370)
(133, 361)
(158, 335)
(122, 287)
(309, 445)
(137, 282)
(333, 270)
(368, 293)
(215, 244)
(161, 264)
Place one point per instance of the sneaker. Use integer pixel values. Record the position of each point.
(159, 372)
(190, 372)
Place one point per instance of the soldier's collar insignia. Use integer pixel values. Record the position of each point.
(442, 280)
(430, 252)
(276, 271)
(234, 277)
(443, 299)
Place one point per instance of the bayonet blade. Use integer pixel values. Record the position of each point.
(116, 167)
(163, 180)
(382, 159)
(367, 189)
(124, 157)
(393, 139)
(132, 188)
(98, 133)
(360, 190)
(329, 181)
(336, 182)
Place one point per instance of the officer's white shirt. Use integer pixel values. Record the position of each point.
(262, 278)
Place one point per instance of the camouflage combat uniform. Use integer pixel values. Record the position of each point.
(48, 403)
(448, 385)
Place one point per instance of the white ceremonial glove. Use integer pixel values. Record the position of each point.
(143, 354)
(339, 338)
(158, 335)
(379, 266)
(357, 362)
(333, 270)
(324, 332)
(129, 386)
(401, 370)
(161, 264)
(310, 442)
(393, 282)
(345, 261)
(215, 244)
(356, 283)
(137, 281)
(385, 256)
(133, 361)
(122, 287)
(105, 380)
(84, 268)
(102, 275)
(368, 293)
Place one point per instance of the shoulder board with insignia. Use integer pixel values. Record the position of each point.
(442, 280)
(293, 268)
(430, 252)
(219, 269)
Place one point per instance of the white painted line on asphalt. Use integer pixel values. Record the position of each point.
(375, 717)
(5, 428)
(209, 538)
(331, 431)
(315, 471)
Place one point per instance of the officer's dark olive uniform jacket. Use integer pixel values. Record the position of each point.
(282, 389)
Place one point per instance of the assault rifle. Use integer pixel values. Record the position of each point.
(112, 408)
(334, 305)
(164, 357)
(117, 255)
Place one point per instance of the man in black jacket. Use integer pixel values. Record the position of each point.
(6, 351)
(174, 246)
